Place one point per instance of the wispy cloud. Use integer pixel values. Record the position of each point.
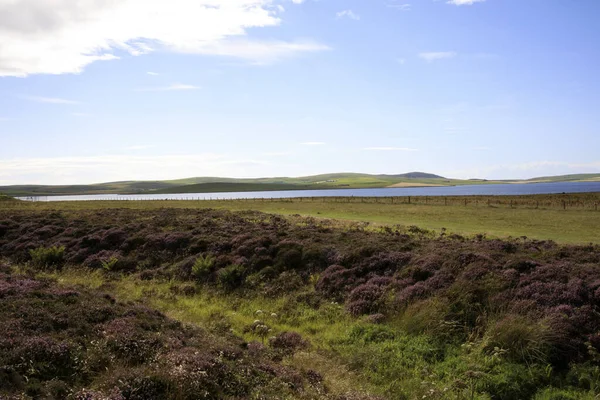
(173, 87)
(255, 52)
(399, 6)
(464, 2)
(153, 73)
(348, 14)
(401, 61)
(437, 55)
(313, 143)
(50, 100)
(64, 37)
(390, 149)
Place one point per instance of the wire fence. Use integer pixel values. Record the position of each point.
(576, 201)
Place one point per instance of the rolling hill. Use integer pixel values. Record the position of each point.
(218, 184)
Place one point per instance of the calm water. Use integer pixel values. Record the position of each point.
(470, 190)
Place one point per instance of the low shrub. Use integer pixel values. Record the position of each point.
(202, 268)
(365, 299)
(286, 282)
(45, 257)
(288, 342)
(231, 277)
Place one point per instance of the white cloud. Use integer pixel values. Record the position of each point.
(313, 143)
(153, 73)
(170, 88)
(256, 52)
(400, 7)
(348, 14)
(464, 2)
(389, 149)
(50, 100)
(437, 55)
(64, 36)
(297, 1)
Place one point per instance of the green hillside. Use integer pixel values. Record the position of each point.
(218, 184)
(567, 178)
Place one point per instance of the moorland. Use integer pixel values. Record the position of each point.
(183, 300)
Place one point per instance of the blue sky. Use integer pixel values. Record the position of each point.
(94, 91)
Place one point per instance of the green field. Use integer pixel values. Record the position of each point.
(563, 218)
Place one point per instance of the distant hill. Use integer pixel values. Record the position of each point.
(224, 187)
(419, 175)
(346, 180)
(567, 178)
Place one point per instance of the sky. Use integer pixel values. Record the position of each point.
(110, 90)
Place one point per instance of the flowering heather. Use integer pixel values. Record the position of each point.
(459, 290)
(55, 340)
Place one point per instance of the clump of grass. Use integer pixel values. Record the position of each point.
(46, 257)
(523, 340)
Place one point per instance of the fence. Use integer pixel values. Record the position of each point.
(575, 201)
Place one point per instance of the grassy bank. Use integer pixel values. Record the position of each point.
(572, 218)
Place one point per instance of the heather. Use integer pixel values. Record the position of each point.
(58, 343)
(405, 312)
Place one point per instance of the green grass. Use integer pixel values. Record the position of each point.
(350, 354)
(578, 223)
(213, 310)
(568, 178)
